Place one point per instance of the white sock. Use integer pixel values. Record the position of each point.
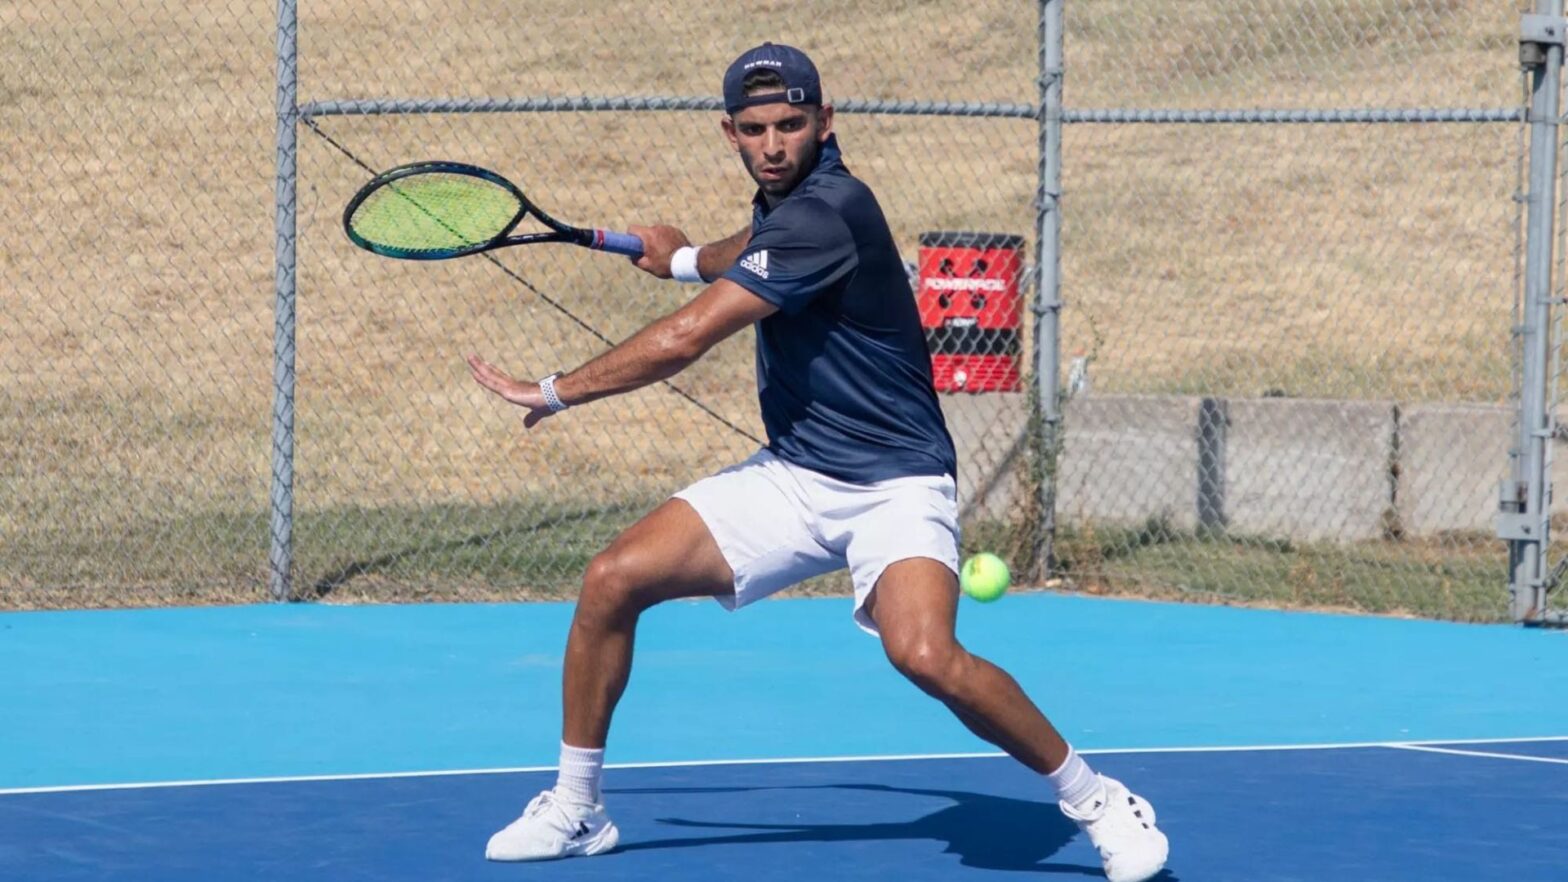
(1076, 784)
(581, 769)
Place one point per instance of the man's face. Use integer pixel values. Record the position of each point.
(778, 142)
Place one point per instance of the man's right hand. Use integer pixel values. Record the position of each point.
(658, 245)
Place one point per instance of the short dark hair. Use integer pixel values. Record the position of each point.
(761, 80)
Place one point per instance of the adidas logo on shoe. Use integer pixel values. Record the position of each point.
(1121, 825)
(552, 828)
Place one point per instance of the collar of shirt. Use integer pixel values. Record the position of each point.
(828, 159)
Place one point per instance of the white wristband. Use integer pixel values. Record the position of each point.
(683, 264)
(551, 400)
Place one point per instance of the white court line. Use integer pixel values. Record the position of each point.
(1506, 756)
(369, 776)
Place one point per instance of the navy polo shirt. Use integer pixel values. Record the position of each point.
(843, 372)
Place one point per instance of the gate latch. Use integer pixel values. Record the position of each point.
(1537, 33)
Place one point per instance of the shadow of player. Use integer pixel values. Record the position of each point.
(985, 832)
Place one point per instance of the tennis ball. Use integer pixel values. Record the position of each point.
(984, 577)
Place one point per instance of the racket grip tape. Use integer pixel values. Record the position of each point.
(617, 243)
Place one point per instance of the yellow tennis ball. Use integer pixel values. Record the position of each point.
(985, 577)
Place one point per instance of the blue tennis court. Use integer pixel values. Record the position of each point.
(334, 743)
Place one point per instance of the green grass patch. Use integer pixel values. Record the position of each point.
(529, 549)
(1460, 576)
(521, 550)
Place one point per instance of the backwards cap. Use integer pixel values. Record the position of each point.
(801, 83)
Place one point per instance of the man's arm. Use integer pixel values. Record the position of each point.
(716, 257)
(661, 242)
(659, 351)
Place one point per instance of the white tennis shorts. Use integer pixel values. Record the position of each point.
(778, 524)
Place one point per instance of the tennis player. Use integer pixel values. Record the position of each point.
(858, 471)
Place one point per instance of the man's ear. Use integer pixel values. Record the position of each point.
(728, 125)
(825, 120)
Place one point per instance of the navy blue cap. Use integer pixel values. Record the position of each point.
(801, 83)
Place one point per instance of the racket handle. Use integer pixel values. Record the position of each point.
(617, 243)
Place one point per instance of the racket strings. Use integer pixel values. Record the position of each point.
(552, 302)
(434, 212)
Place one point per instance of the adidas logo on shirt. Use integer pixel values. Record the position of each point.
(756, 264)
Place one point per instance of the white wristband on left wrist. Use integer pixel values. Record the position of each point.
(551, 400)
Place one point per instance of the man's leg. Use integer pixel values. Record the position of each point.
(915, 607)
(666, 555)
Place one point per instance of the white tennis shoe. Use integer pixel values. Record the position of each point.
(553, 827)
(1121, 826)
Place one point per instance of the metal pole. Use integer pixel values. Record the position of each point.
(1526, 501)
(1047, 260)
(280, 557)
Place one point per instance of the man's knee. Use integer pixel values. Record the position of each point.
(610, 587)
(933, 664)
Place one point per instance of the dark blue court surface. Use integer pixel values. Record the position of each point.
(1353, 813)
(96, 703)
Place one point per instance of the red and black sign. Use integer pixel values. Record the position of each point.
(970, 308)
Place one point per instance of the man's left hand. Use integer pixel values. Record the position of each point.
(522, 394)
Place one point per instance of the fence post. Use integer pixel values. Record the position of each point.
(280, 556)
(1047, 260)
(1213, 425)
(1524, 520)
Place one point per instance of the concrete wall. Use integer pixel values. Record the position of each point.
(1304, 469)
(1125, 457)
(1292, 468)
(988, 433)
(1129, 458)
(1452, 458)
(1316, 470)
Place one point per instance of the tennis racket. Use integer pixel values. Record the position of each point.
(438, 210)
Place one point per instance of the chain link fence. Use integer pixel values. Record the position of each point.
(1291, 312)
(135, 352)
(1285, 347)
(139, 367)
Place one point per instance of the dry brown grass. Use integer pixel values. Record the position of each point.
(136, 360)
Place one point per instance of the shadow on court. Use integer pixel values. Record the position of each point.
(985, 832)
